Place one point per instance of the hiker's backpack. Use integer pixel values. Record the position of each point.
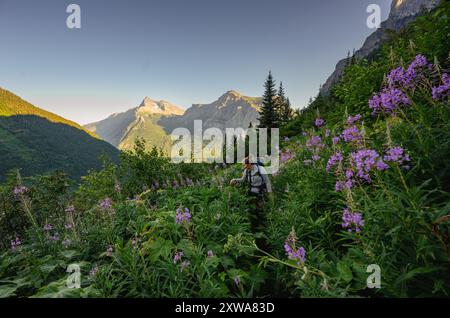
(263, 187)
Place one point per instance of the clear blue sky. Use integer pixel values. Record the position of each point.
(183, 51)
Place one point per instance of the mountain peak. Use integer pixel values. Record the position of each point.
(146, 101)
(150, 106)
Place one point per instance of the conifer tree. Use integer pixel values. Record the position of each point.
(268, 113)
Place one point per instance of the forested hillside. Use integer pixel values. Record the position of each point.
(37, 142)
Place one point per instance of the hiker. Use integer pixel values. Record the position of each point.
(258, 183)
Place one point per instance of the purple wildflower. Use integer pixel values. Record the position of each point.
(55, 237)
(237, 280)
(182, 217)
(314, 142)
(68, 226)
(15, 244)
(352, 221)
(292, 252)
(109, 251)
(105, 204)
(48, 227)
(336, 140)
(442, 91)
(93, 271)
(70, 209)
(210, 253)
(363, 161)
(66, 242)
(334, 160)
(353, 119)
(327, 133)
(396, 155)
(177, 257)
(352, 134)
(286, 155)
(20, 190)
(319, 122)
(388, 101)
(315, 157)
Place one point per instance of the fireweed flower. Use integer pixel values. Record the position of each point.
(182, 217)
(105, 204)
(399, 77)
(19, 190)
(177, 257)
(364, 161)
(388, 101)
(292, 252)
(68, 226)
(335, 159)
(335, 140)
(353, 119)
(135, 242)
(70, 209)
(15, 244)
(419, 61)
(352, 134)
(314, 142)
(48, 227)
(286, 155)
(352, 221)
(442, 91)
(396, 155)
(184, 265)
(93, 271)
(319, 122)
(55, 237)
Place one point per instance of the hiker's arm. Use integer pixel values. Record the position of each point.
(239, 180)
(267, 181)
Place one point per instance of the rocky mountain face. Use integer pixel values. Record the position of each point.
(402, 12)
(121, 129)
(231, 110)
(155, 121)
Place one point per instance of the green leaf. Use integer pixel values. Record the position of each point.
(47, 268)
(159, 247)
(69, 253)
(7, 291)
(345, 273)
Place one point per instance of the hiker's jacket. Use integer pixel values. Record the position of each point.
(257, 179)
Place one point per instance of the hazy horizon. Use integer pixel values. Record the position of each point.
(185, 52)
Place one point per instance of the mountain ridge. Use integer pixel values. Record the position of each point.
(37, 141)
(154, 121)
(11, 104)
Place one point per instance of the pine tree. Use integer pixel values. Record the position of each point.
(287, 112)
(284, 109)
(268, 113)
(281, 101)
